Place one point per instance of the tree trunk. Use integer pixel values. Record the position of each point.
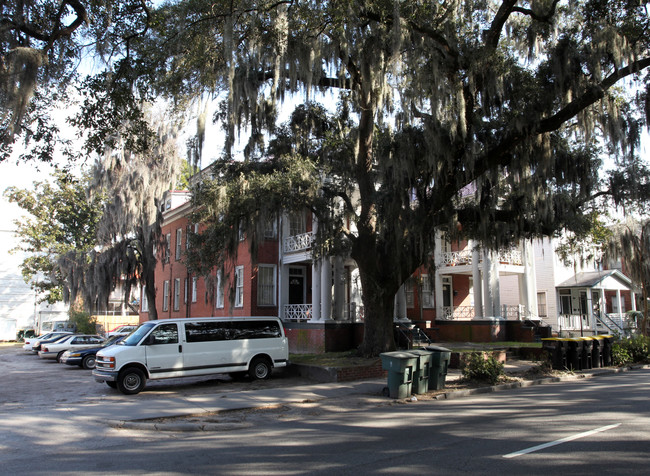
(378, 333)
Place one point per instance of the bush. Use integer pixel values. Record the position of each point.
(84, 322)
(632, 350)
(478, 366)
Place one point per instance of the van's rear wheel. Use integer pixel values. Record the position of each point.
(131, 381)
(260, 369)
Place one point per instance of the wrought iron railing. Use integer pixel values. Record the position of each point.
(300, 242)
(458, 312)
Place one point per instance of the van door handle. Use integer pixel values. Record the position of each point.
(180, 348)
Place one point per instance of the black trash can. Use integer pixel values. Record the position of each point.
(607, 350)
(597, 352)
(585, 356)
(556, 349)
(440, 357)
(573, 353)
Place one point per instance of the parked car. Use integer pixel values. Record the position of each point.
(47, 338)
(55, 350)
(121, 330)
(85, 358)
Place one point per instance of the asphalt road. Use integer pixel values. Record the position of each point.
(590, 426)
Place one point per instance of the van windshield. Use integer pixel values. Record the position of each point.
(137, 335)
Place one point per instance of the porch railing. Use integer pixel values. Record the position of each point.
(303, 312)
(300, 242)
(513, 313)
(616, 322)
(457, 258)
(464, 257)
(573, 322)
(297, 312)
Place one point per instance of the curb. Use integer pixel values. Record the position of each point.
(232, 426)
(529, 383)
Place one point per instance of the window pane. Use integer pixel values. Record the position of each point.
(266, 286)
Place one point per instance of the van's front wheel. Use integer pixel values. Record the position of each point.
(260, 369)
(131, 381)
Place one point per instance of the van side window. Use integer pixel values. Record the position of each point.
(165, 334)
(207, 331)
(255, 329)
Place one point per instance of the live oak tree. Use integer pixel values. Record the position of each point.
(45, 47)
(129, 231)
(479, 117)
(483, 118)
(60, 218)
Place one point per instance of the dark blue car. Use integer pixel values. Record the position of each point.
(85, 358)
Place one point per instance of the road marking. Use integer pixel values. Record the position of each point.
(563, 440)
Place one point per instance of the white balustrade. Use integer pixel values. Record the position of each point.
(300, 242)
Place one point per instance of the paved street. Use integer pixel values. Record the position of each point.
(596, 425)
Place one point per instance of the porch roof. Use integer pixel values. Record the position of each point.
(592, 279)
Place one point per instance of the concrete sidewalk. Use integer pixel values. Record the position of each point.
(138, 411)
(159, 411)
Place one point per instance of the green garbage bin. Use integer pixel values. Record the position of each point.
(597, 351)
(440, 358)
(587, 350)
(421, 375)
(557, 351)
(400, 367)
(607, 350)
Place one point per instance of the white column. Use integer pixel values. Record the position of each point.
(633, 298)
(618, 299)
(529, 283)
(326, 289)
(399, 309)
(438, 293)
(339, 289)
(487, 290)
(478, 285)
(315, 290)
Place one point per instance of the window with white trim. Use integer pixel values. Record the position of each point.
(165, 296)
(194, 288)
(219, 301)
(427, 292)
(179, 239)
(168, 244)
(297, 224)
(266, 285)
(145, 302)
(239, 286)
(541, 304)
(177, 294)
(409, 292)
(270, 227)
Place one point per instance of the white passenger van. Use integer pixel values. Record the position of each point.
(170, 348)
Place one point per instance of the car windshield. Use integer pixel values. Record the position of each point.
(111, 340)
(61, 339)
(137, 335)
